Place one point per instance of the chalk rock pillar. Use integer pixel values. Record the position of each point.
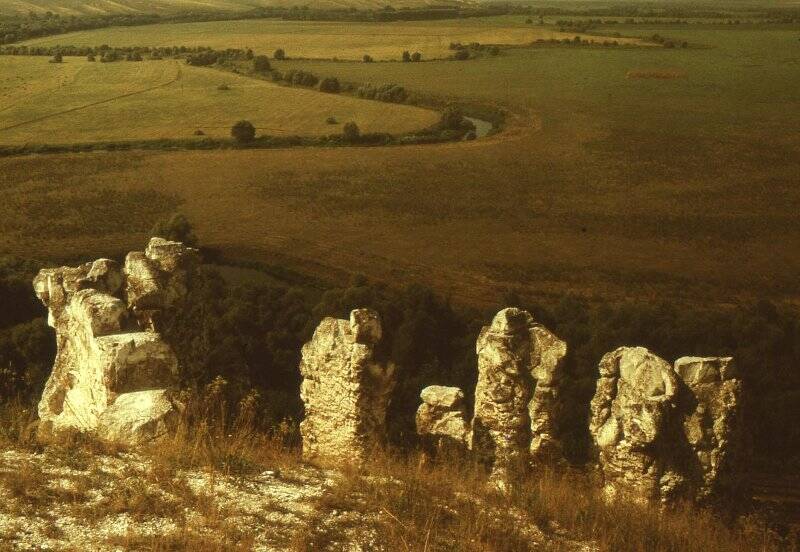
(545, 408)
(345, 390)
(629, 424)
(515, 417)
(711, 423)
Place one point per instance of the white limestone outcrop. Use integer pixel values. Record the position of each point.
(112, 368)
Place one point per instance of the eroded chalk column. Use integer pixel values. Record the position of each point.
(712, 425)
(517, 397)
(345, 390)
(630, 425)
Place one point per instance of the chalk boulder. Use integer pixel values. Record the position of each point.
(442, 419)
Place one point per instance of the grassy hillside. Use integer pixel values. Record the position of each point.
(677, 188)
(102, 7)
(80, 101)
(347, 41)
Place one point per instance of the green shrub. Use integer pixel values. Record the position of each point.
(176, 228)
(351, 133)
(330, 85)
(261, 64)
(243, 132)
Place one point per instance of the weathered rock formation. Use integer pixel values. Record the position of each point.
(545, 408)
(442, 419)
(630, 417)
(345, 390)
(513, 417)
(111, 369)
(710, 408)
(662, 433)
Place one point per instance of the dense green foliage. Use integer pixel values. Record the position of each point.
(261, 64)
(330, 85)
(27, 345)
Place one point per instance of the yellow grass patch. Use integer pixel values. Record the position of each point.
(81, 101)
(324, 40)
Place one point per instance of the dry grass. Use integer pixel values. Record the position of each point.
(397, 502)
(96, 7)
(630, 188)
(224, 438)
(16, 418)
(412, 506)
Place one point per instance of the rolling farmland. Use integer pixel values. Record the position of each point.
(323, 40)
(80, 101)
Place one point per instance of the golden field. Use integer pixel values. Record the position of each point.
(81, 101)
(325, 40)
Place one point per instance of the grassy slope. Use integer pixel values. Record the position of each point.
(321, 39)
(680, 188)
(167, 99)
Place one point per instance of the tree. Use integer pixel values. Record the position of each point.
(243, 132)
(351, 132)
(452, 118)
(261, 64)
(176, 228)
(279, 54)
(406, 56)
(416, 56)
(368, 58)
(330, 85)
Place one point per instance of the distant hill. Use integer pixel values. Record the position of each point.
(103, 7)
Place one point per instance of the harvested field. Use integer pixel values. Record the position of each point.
(323, 40)
(81, 101)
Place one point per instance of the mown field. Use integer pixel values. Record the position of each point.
(324, 40)
(81, 101)
(681, 189)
